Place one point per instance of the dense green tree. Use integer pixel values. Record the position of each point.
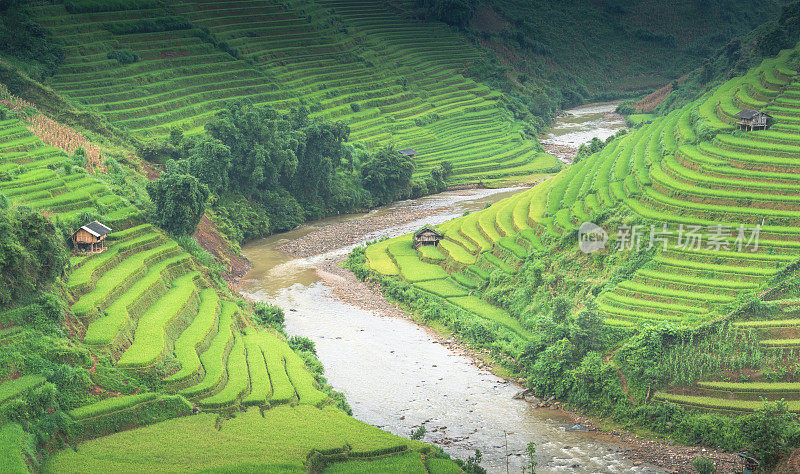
(770, 430)
(452, 12)
(32, 254)
(180, 201)
(26, 40)
(387, 175)
(262, 144)
(210, 162)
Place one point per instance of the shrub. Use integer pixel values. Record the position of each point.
(704, 466)
(123, 56)
(269, 314)
(770, 431)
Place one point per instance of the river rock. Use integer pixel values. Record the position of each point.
(577, 427)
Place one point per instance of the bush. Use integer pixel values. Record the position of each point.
(771, 432)
(123, 56)
(23, 38)
(32, 256)
(704, 466)
(269, 315)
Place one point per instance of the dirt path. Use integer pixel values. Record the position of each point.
(609, 359)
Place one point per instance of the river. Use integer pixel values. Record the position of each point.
(397, 375)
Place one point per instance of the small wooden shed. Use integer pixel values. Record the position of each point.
(753, 119)
(90, 238)
(409, 152)
(428, 235)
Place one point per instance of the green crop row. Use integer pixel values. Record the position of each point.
(104, 329)
(302, 380)
(719, 403)
(444, 288)
(110, 404)
(16, 387)
(110, 281)
(485, 310)
(193, 336)
(149, 339)
(213, 358)
(260, 388)
(237, 381)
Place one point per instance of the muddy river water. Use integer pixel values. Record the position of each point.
(396, 375)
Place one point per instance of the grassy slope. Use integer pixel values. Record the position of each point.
(663, 173)
(136, 300)
(279, 441)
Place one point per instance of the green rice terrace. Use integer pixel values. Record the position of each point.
(146, 303)
(649, 284)
(393, 81)
(690, 168)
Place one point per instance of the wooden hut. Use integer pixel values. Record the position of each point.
(90, 238)
(753, 120)
(428, 235)
(409, 152)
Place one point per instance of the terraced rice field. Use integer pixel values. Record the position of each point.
(280, 440)
(42, 178)
(392, 80)
(718, 190)
(143, 300)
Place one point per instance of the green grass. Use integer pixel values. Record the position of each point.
(445, 288)
(213, 358)
(279, 441)
(260, 388)
(13, 447)
(110, 405)
(719, 403)
(379, 260)
(487, 311)
(110, 281)
(302, 380)
(408, 462)
(104, 329)
(282, 389)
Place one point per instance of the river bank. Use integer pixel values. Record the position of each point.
(640, 451)
(398, 374)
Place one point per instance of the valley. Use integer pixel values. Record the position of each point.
(400, 236)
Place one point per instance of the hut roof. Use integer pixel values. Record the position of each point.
(748, 114)
(96, 229)
(429, 228)
(408, 152)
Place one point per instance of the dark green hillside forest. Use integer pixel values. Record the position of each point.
(552, 55)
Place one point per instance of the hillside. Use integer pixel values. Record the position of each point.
(149, 331)
(703, 315)
(393, 81)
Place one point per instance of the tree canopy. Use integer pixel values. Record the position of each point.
(179, 200)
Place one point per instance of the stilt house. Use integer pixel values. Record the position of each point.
(428, 235)
(753, 120)
(90, 238)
